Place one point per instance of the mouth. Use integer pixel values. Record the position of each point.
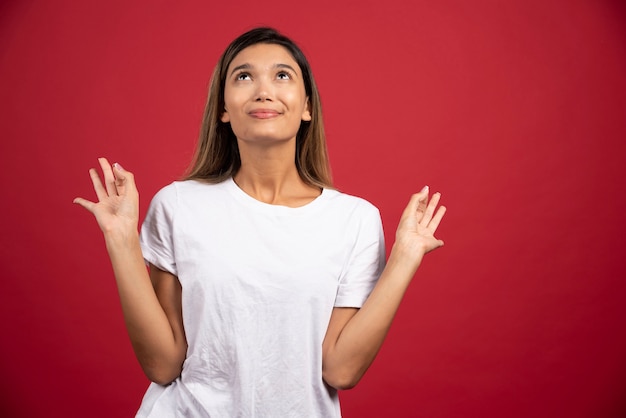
(264, 113)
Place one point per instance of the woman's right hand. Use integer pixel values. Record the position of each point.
(117, 209)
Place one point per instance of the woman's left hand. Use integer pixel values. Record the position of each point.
(419, 222)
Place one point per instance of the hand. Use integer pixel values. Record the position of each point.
(117, 209)
(419, 222)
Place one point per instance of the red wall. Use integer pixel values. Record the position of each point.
(514, 110)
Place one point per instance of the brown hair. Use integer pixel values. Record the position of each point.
(217, 155)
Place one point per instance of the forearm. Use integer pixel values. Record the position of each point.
(347, 360)
(158, 351)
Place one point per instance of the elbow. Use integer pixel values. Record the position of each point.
(162, 375)
(342, 380)
(162, 367)
(161, 379)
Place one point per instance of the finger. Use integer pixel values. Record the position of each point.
(430, 209)
(109, 178)
(422, 202)
(414, 203)
(125, 181)
(120, 178)
(97, 184)
(434, 223)
(89, 205)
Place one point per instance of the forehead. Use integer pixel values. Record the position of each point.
(264, 55)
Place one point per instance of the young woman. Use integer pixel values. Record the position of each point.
(267, 289)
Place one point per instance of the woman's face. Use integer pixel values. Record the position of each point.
(264, 95)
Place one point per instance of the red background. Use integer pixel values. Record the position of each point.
(514, 110)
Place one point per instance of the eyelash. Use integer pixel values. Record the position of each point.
(239, 76)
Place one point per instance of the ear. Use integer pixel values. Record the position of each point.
(306, 113)
(225, 116)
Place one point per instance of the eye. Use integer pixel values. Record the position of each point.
(242, 76)
(283, 75)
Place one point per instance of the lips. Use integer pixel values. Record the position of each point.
(264, 113)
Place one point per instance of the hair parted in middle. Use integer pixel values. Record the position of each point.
(217, 157)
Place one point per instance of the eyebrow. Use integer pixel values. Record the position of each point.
(248, 66)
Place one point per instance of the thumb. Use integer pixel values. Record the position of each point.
(84, 203)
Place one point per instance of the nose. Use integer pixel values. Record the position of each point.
(263, 91)
(262, 96)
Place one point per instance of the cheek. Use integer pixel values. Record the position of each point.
(296, 100)
(234, 97)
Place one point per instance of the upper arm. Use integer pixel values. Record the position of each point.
(169, 293)
(338, 320)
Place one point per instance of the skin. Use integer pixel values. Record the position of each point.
(265, 102)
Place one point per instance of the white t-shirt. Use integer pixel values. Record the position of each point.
(259, 283)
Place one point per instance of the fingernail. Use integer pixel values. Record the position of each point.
(118, 166)
(424, 189)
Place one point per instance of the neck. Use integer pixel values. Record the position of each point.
(269, 174)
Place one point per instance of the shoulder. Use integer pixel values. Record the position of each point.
(187, 189)
(348, 200)
(354, 205)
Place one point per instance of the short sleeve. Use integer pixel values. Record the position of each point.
(366, 261)
(156, 237)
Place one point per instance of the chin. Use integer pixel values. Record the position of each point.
(267, 137)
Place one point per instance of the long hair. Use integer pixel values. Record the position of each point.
(217, 154)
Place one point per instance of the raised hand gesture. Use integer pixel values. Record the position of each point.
(117, 209)
(418, 224)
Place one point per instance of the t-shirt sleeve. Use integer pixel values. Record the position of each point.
(366, 261)
(156, 237)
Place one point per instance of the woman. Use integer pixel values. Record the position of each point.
(266, 291)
